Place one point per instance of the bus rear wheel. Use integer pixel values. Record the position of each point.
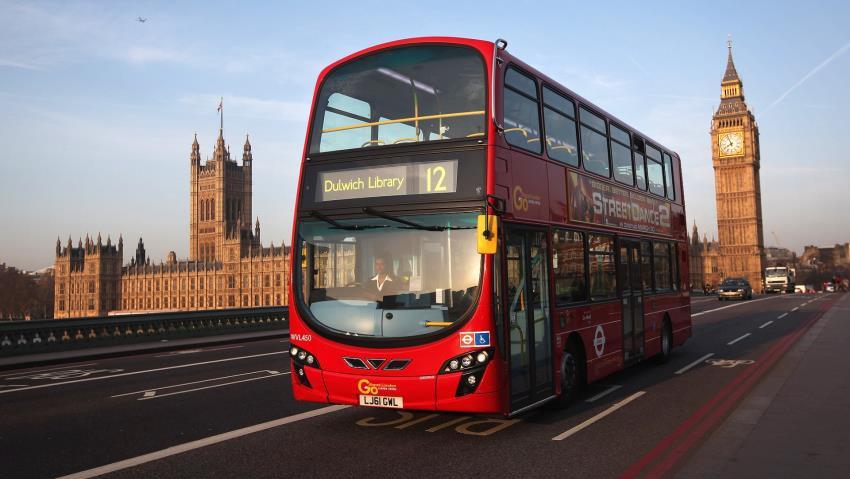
(666, 342)
(572, 376)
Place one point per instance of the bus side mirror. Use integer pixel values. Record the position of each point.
(487, 234)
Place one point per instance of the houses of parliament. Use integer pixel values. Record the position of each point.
(739, 248)
(228, 266)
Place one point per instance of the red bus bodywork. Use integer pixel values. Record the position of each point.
(421, 384)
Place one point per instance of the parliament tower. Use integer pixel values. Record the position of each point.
(220, 204)
(736, 158)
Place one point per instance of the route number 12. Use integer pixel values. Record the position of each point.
(435, 179)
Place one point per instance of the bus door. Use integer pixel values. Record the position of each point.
(632, 300)
(528, 316)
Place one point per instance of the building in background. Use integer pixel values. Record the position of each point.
(87, 278)
(736, 160)
(826, 258)
(227, 266)
(776, 256)
(704, 261)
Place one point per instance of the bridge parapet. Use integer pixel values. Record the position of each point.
(33, 337)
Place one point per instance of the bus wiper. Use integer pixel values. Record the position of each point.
(412, 224)
(337, 224)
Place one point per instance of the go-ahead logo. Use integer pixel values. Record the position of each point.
(523, 199)
(364, 386)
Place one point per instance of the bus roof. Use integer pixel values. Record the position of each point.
(485, 47)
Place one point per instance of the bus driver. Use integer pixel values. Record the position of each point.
(384, 283)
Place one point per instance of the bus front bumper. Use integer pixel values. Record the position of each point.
(443, 392)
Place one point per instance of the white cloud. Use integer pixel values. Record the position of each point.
(18, 64)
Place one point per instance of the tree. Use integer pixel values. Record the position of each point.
(25, 296)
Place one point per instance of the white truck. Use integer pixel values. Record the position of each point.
(779, 279)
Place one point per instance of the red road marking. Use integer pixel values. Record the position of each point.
(727, 397)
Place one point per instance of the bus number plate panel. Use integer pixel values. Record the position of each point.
(381, 401)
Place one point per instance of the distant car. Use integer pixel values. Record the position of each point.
(800, 288)
(735, 288)
(829, 287)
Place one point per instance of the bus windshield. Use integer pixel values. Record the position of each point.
(403, 95)
(398, 277)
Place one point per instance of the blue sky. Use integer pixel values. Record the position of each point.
(97, 111)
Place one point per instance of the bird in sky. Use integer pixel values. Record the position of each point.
(141, 20)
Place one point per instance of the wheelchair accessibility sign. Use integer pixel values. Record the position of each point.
(475, 339)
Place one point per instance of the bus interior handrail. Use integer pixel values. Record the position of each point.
(403, 120)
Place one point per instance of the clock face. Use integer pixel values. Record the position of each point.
(731, 143)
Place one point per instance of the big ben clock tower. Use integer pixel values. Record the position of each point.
(735, 156)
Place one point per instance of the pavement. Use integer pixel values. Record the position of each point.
(795, 423)
(227, 411)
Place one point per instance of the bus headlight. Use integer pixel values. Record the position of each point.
(467, 361)
(302, 359)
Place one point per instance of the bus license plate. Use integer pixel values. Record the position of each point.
(381, 401)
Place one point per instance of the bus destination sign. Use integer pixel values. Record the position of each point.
(420, 178)
(597, 202)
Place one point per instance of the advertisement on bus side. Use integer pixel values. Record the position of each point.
(597, 202)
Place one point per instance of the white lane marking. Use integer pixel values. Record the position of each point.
(604, 393)
(193, 351)
(702, 300)
(133, 373)
(63, 374)
(207, 441)
(782, 315)
(737, 339)
(766, 324)
(691, 365)
(597, 417)
(44, 370)
(732, 306)
(156, 396)
(795, 309)
(197, 382)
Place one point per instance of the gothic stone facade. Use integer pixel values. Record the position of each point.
(227, 266)
(87, 281)
(736, 160)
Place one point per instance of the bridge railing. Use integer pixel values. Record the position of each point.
(33, 337)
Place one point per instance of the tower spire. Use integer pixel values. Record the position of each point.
(247, 157)
(195, 155)
(731, 74)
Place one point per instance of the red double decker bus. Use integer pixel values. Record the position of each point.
(470, 235)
